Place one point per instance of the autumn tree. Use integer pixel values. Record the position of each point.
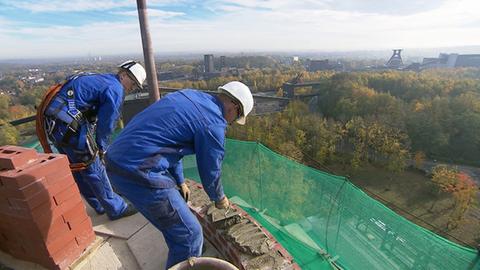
(375, 142)
(462, 188)
(8, 134)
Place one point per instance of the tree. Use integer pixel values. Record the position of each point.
(460, 185)
(375, 142)
(8, 134)
(4, 105)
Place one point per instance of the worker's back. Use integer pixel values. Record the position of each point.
(90, 89)
(163, 133)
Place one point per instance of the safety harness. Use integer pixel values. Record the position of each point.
(51, 109)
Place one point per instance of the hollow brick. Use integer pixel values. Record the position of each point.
(12, 157)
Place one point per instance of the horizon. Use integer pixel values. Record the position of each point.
(57, 29)
(407, 53)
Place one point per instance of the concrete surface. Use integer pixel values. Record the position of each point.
(121, 228)
(112, 254)
(149, 248)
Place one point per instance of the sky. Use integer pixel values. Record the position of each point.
(59, 28)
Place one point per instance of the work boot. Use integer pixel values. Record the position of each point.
(130, 210)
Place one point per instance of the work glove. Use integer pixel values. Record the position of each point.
(184, 191)
(223, 203)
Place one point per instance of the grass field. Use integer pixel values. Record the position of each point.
(412, 195)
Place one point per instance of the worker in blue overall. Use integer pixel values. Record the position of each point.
(145, 161)
(80, 119)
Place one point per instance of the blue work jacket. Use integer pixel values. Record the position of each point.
(102, 93)
(150, 148)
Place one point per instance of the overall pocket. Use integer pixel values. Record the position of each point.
(163, 213)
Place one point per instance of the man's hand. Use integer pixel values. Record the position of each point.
(184, 191)
(223, 203)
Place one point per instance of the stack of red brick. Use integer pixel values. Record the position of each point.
(42, 216)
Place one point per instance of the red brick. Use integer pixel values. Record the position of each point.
(66, 194)
(283, 252)
(84, 239)
(53, 244)
(67, 256)
(40, 197)
(58, 260)
(217, 243)
(207, 230)
(51, 167)
(12, 157)
(61, 184)
(235, 255)
(30, 232)
(84, 226)
(60, 242)
(4, 204)
(51, 210)
(25, 192)
(75, 215)
(41, 208)
(31, 189)
(72, 250)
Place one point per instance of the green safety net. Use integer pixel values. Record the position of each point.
(322, 218)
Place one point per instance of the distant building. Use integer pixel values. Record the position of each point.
(223, 61)
(316, 65)
(34, 75)
(395, 60)
(413, 67)
(170, 75)
(208, 63)
(37, 80)
(452, 60)
(295, 59)
(468, 60)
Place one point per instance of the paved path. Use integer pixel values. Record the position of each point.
(472, 171)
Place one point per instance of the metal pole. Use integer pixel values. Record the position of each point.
(147, 51)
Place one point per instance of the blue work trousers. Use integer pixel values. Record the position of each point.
(167, 211)
(93, 181)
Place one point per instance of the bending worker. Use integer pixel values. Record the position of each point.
(72, 126)
(145, 161)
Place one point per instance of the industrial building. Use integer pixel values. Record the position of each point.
(452, 60)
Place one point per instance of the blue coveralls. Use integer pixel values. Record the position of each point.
(145, 164)
(103, 94)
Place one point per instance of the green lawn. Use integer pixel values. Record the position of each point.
(413, 192)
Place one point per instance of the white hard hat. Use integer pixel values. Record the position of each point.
(242, 94)
(136, 71)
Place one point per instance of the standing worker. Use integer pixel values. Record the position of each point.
(79, 120)
(145, 161)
